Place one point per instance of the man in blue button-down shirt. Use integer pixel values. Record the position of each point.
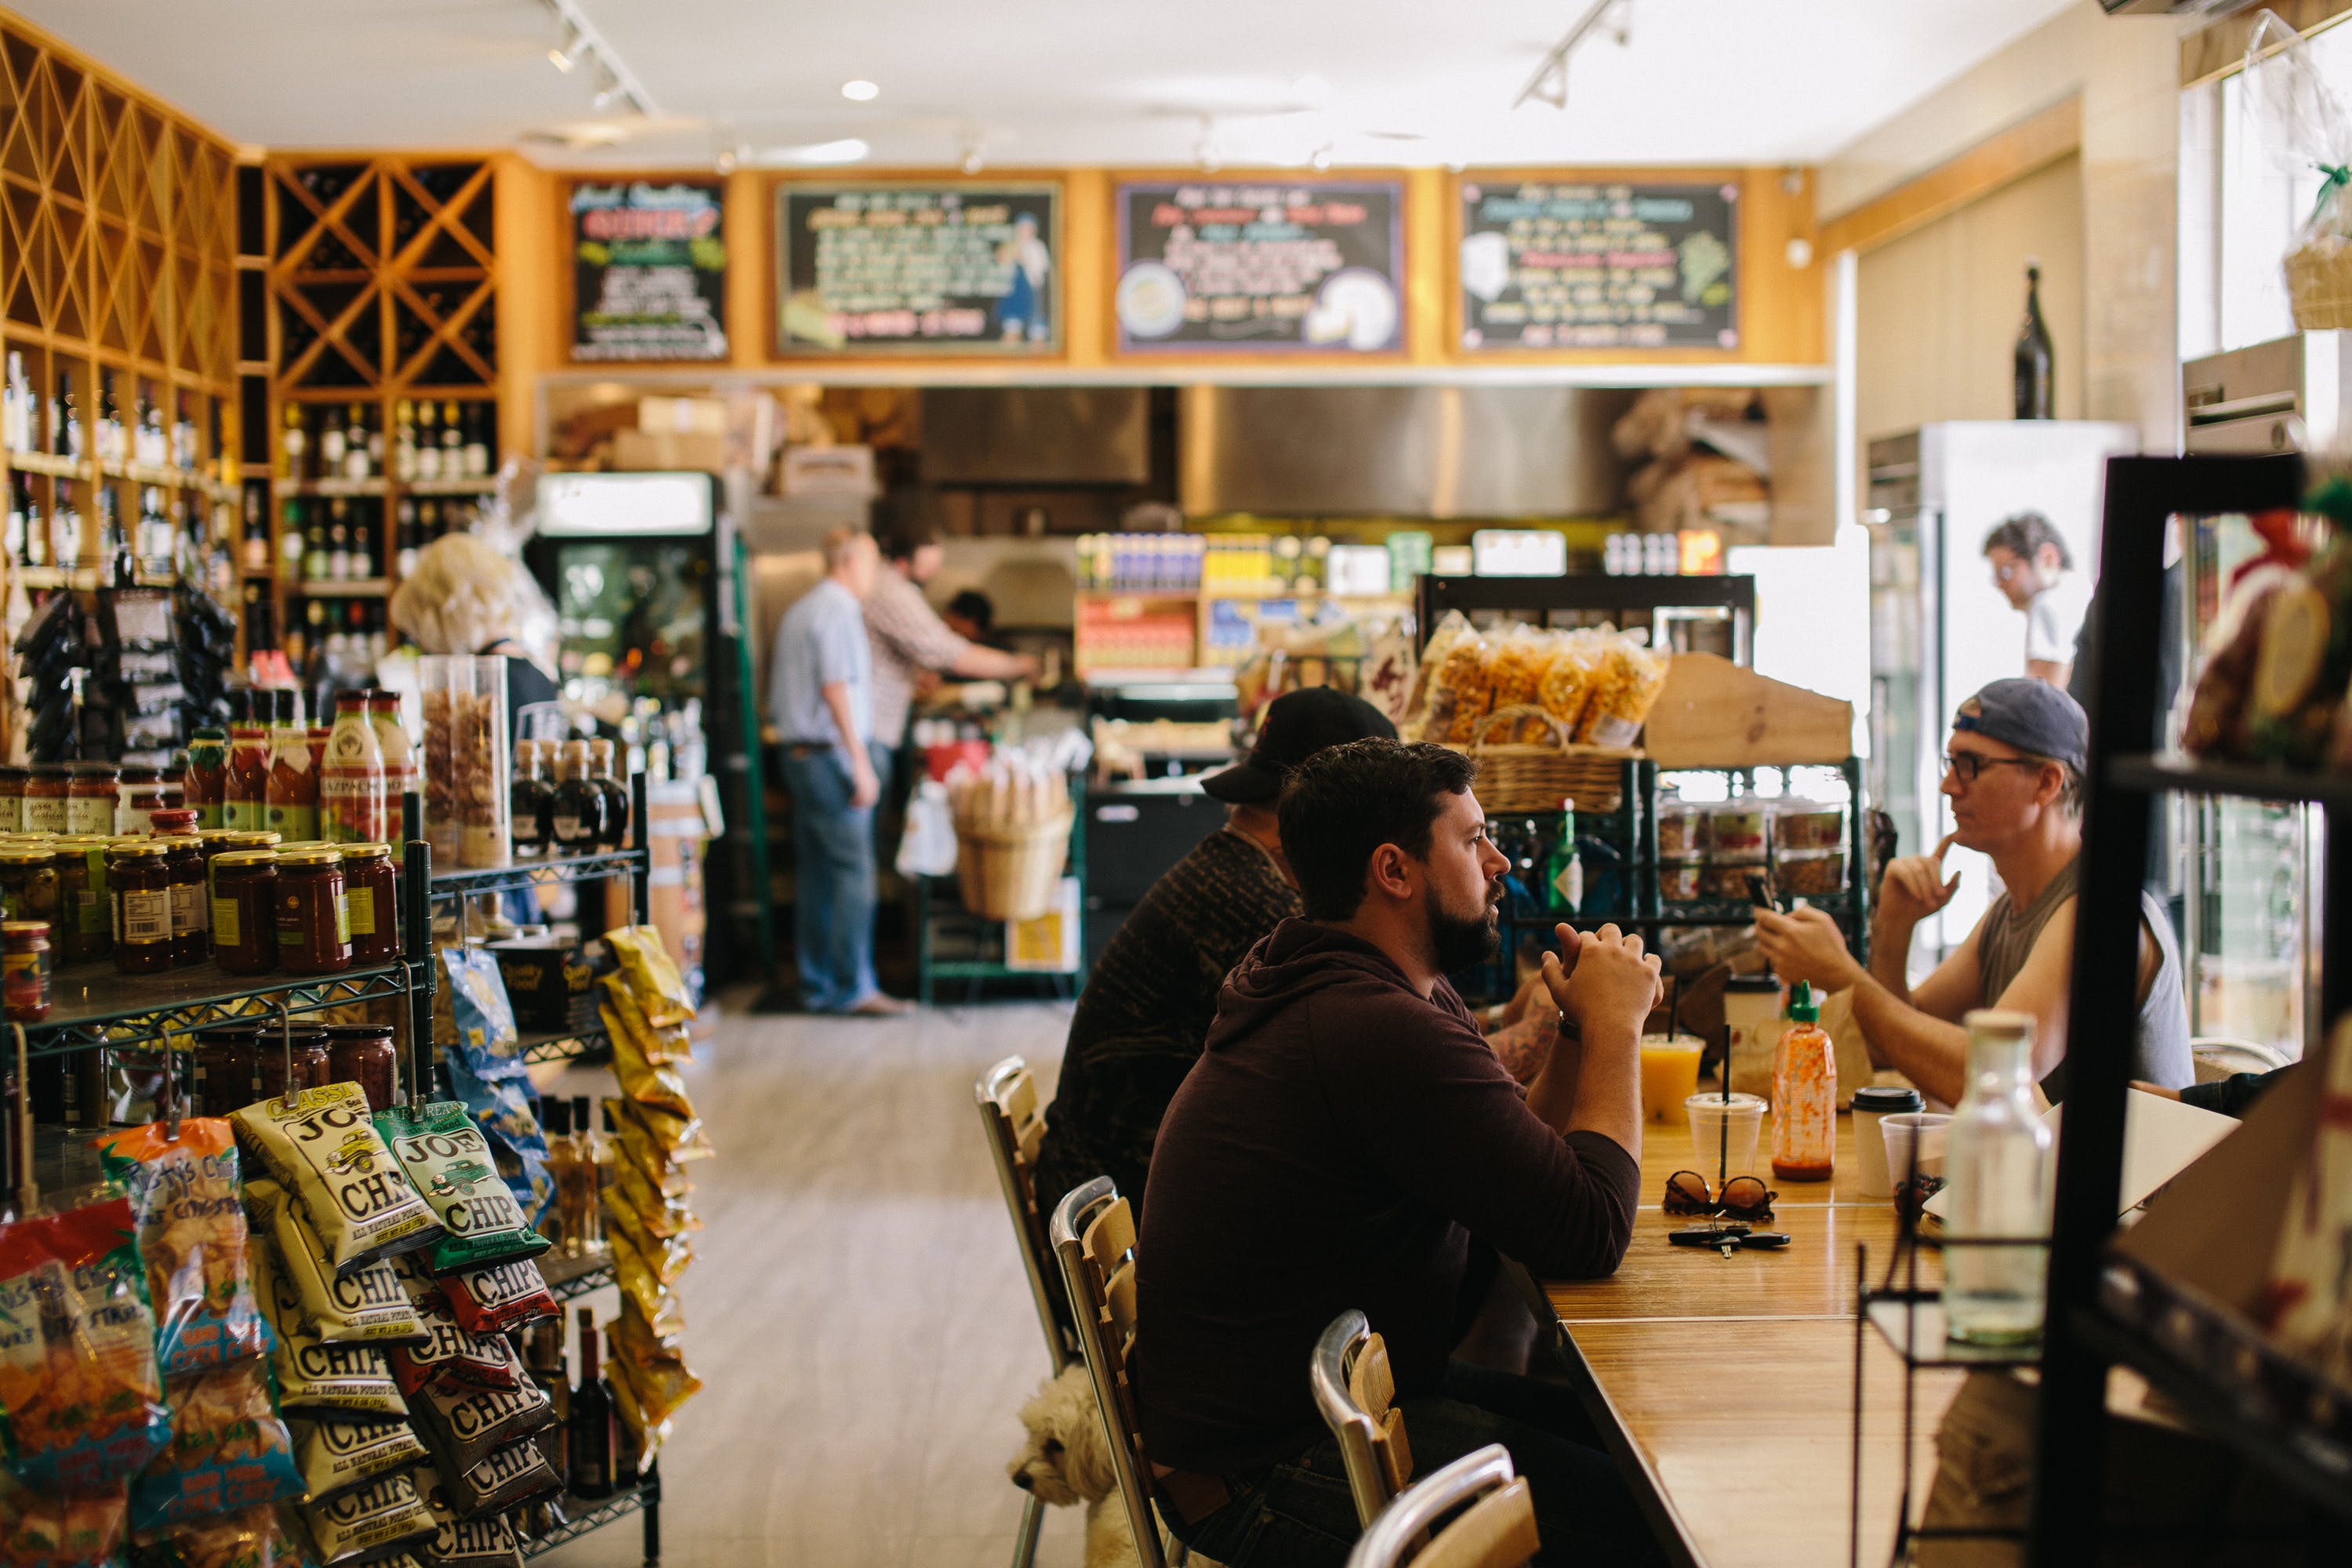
(821, 687)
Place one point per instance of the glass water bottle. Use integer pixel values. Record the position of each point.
(2000, 1165)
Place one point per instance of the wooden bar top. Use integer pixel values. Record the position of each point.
(1813, 1276)
(1666, 1147)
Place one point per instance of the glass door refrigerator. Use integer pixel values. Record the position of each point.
(646, 573)
(1940, 629)
(2251, 927)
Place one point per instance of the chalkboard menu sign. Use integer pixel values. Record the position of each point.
(918, 269)
(1581, 265)
(650, 270)
(1314, 265)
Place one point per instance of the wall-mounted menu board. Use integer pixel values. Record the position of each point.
(1259, 265)
(1569, 264)
(650, 270)
(918, 269)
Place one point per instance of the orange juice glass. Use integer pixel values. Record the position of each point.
(1669, 1074)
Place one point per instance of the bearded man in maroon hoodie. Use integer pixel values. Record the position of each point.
(1348, 1139)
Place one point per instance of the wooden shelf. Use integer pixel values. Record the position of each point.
(47, 463)
(332, 486)
(339, 588)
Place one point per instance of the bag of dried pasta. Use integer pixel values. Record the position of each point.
(229, 1450)
(1414, 723)
(1631, 678)
(192, 1233)
(81, 1399)
(1568, 680)
(1464, 692)
(1519, 665)
(44, 1529)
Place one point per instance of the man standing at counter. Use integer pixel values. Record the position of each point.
(1348, 1140)
(821, 690)
(2013, 772)
(910, 641)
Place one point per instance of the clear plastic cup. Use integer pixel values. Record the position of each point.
(1713, 1120)
(1914, 1135)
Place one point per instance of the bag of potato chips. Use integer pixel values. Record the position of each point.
(323, 1148)
(228, 1450)
(43, 1529)
(659, 989)
(447, 1160)
(184, 1192)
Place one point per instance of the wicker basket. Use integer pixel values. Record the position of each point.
(1011, 873)
(1520, 776)
(2319, 284)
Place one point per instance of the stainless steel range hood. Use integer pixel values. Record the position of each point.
(1402, 452)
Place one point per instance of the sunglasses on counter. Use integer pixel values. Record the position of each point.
(1729, 1238)
(1744, 1198)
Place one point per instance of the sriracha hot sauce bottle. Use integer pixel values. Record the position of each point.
(1804, 1094)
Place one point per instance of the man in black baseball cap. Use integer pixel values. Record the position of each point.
(1149, 1001)
(2013, 774)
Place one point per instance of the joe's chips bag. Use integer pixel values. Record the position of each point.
(184, 1192)
(447, 1161)
(322, 1147)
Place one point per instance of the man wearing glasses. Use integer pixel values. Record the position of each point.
(2035, 575)
(2013, 772)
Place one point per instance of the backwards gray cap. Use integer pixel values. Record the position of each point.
(2033, 716)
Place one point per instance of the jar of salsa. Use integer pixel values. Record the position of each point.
(207, 781)
(24, 971)
(85, 922)
(370, 894)
(91, 793)
(45, 798)
(292, 794)
(363, 1054)
(28, 882)
(245, 910)
(314, 933)
(139, 881)
(12, 797)
(302, 1051)
(245, 787)
(225, 1058)
(191, 918)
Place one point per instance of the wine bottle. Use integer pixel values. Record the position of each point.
(453, 444)
(294, 443)
(616, 797)
(579, 803)
(545, 1361)
(532, 802)
(2036, 393)
(405, 558)
(477, 440)
(589, 1438)
(355, 443)
(330, 446)
(428, 441)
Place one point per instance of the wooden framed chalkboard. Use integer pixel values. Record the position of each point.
(1260, 265)
(1582, 263)
(648, 270)
(884, 267)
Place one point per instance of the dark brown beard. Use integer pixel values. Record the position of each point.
(1458, 945)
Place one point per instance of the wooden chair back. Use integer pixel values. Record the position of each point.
(1494, 1526)
(1093, 1233)
(1014, 1122)
(1355, 1390)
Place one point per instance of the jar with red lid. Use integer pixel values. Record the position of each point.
(226, 1059)
(45, 798)
(306, 1056)
(139, 881)
(84, 929)
(363, 1054)
(314, 934)
(26, 967)
(191, 918)
(371, 900)
(245, 910)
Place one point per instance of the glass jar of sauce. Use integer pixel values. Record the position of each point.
(314, 933)
(139, 881)
(245, 910)
(12, 780)
(141, 797)
(191, 918)
(225, 1058)
(371, 896)
(363, 1054)
(25, 970)
(90, 795)
(274, 1058)
(85, 922)
(45, 798)
(207, 780)
(28, 882)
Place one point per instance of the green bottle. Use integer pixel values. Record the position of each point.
(1563, 873)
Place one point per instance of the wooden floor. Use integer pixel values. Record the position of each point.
(855, 1309)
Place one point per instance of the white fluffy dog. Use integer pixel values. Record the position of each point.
(1066, 1460)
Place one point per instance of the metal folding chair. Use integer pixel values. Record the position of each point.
(1497, 1529)
(1093, 1233)
(1013, 1122)
(1356, 1391)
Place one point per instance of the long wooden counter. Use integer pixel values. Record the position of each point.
(1727, 1383)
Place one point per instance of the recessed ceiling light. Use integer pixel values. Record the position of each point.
(860, 92)
(849, 150)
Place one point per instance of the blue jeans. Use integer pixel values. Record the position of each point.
(1301, 1514)
(832, 901)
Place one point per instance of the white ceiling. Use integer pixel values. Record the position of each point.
(1058, 81)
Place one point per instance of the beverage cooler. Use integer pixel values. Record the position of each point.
(645, 571)
(1940, 629)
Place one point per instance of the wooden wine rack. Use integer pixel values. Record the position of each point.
(379, 278)
(117, 254)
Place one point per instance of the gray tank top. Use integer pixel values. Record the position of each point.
(2160, 1039)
